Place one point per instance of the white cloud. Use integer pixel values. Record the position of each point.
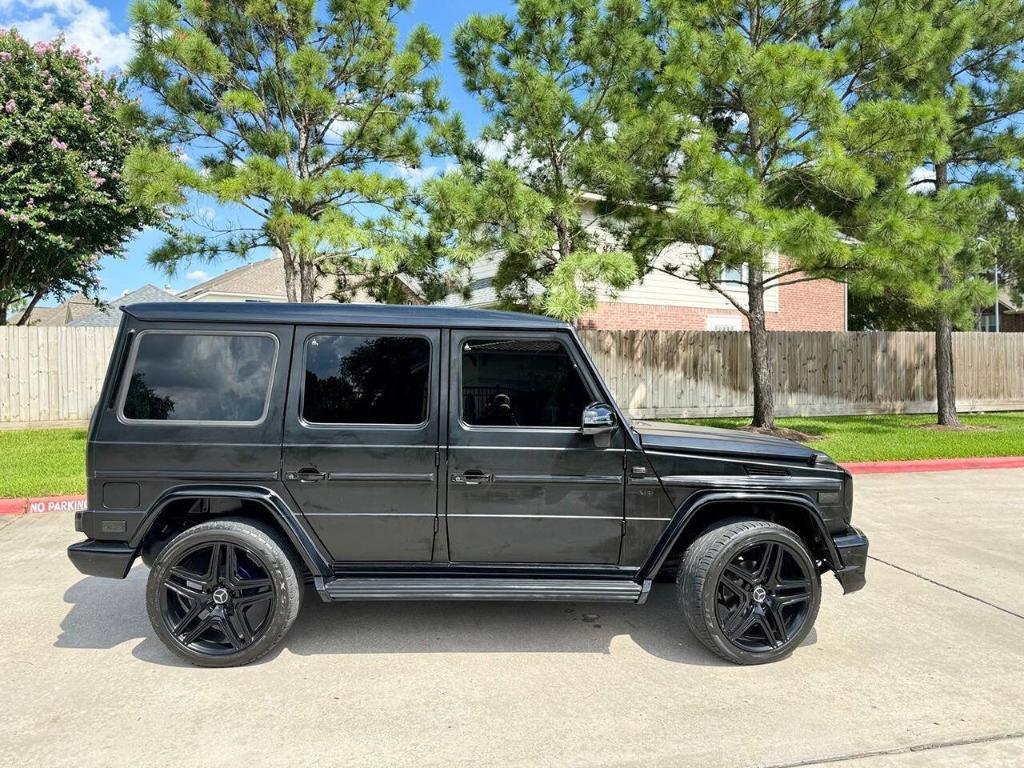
(83, 24)
(494, 149)
(206, 215)
(197, 276)
(924, 175)
(416, 176)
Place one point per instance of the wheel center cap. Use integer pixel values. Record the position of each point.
(220, 596)
(758, 594)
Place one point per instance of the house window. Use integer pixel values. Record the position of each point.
(986, 322)
(723, 324)
(729, 276)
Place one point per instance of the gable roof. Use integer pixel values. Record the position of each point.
(107, 314)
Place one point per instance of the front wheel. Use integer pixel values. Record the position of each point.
(223, 593)
(749, 591)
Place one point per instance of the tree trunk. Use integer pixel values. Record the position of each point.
(945, 381)
(289, 273)
(761, 363)
(945, 384)
(3, 314)
(307, 280)
(23, 320)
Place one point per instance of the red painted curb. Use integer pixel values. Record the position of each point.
(933, 465)
(12, 506)
(42, 504)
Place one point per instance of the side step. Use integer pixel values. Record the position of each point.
(445, 588)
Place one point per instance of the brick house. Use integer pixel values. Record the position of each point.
(662, 302)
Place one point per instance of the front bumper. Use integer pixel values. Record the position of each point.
(109, 559)
(852, 547)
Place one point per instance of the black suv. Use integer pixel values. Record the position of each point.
(424, 453)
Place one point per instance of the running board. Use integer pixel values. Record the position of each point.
(446, 588)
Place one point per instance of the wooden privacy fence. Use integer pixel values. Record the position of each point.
(55, 374)
(707, 373)
(51, 374)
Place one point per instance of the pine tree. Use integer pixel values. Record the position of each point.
(970, 57)
(572, 138)
(782, 148)
(304, 116)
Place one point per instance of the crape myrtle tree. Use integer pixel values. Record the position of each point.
(572, 136)
(783, 146)
(308, 117)
(962, 219)
(65, 131)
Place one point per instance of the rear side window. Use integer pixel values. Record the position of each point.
(366, 379)
(521, 383)
(200, 377)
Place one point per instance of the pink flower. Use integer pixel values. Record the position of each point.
(10, 106)
(41, 47)
(5, 56)
(87, 108)
(58, 144)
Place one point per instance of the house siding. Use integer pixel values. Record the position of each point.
(814, 305)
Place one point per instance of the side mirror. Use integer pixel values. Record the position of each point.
(599, 421)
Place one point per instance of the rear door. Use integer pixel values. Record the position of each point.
(523, 485)
(361, 440)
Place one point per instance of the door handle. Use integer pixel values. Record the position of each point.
(472, 477)
(306, 475)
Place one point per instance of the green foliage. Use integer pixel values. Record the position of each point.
(572, 138)
(303, 115)
(65, 132)
(945, 226)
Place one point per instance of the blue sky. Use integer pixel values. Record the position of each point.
(102, 27)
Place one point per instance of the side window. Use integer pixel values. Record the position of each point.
(521, 383)
(366, 379)
(203, 377)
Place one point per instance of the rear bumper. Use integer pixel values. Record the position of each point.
(109, 559)
(853, 552)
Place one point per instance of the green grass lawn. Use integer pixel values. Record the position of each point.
(50, 462)
(42, 462)
(894, 438)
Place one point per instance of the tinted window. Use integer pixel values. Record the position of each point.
(521, 382)
(366, 380)
(200, 377)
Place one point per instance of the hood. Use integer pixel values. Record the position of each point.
(684, 438)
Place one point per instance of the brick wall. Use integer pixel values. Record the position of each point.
(815, 305)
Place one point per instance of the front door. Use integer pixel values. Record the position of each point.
(524, 486)
(361, 440)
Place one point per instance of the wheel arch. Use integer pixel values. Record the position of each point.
(702, 511)
(262, 503)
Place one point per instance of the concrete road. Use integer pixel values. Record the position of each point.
(925, 667)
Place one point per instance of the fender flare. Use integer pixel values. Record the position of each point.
(686, 512)
(305, 545)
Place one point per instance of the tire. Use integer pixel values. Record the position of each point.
(749, 591)
(234, 612)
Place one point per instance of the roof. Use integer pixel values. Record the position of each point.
(75, 307)
(105, 315)
(338, 314)
(266, 278)
(258, 278)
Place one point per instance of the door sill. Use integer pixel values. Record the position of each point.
(447, 588)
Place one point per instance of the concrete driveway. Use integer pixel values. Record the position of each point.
(925, 667)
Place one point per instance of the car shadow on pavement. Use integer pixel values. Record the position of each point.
(106, 613)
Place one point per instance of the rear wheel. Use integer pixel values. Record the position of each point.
(223, 593)
(749, 591)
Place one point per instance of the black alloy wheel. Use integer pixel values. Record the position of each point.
(224, 592)
(763, 596)
(749, 590)
(217, 599)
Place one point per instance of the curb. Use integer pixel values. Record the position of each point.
(933, 465)
(41, 504)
